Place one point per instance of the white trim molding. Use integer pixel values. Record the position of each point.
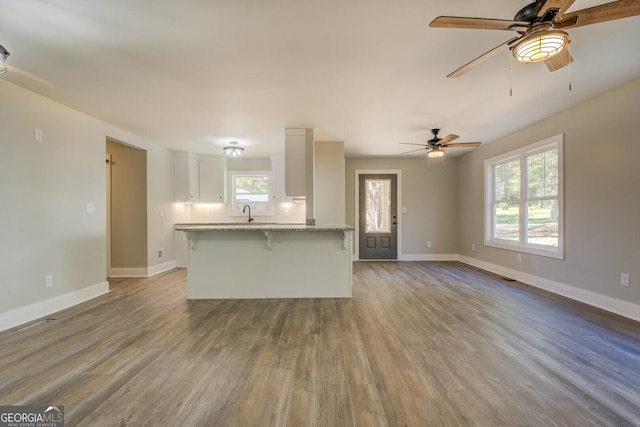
(161, 268)
(31, 312)
(613, 305)
(142, 271)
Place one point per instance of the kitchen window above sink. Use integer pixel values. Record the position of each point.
(253, 189)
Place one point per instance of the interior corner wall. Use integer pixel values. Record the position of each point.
(429, 196)
(601, 197)
(328, 181)
(45, 188)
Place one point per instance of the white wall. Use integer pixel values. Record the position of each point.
(45, 187)
(602, 200)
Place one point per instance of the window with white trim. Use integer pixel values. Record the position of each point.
(524, 201)
(253, 189)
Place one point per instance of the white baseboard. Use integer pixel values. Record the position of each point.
(161, 268)
(622, 308)
(428, 257)
(31, 312)
(142, 271)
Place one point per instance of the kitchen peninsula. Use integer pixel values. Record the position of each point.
(268, 261)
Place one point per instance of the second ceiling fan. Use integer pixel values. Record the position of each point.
(540, 27)
(435, 146)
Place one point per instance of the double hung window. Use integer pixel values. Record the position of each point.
(523, 199)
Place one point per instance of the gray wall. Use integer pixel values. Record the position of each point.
(428, 195)
(45, 187)
(328, 181)
(602, 200)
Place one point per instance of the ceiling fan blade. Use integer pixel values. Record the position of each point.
(482, 58)
(464, 144)
(477, 23)
(605, 12)
(412, 143)
(413, 151)
(447, 139)
(560, 5)
(562, 59)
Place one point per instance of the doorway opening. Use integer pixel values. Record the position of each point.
(126, 180)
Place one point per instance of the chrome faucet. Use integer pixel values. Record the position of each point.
(247, 207)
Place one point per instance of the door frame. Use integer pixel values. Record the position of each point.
(356, 214)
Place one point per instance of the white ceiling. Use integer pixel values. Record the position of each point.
(195, 74)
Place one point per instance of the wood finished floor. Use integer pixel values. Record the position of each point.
(419, 344)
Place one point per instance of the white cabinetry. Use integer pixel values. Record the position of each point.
(278, 193)
(187, 188)
(213, 179)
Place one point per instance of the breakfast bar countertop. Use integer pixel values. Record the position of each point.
(258, 226)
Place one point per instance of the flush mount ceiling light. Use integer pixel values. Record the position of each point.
(233, 149)
(4, 54)
(540, 44)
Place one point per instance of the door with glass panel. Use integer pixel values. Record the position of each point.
(378, 217)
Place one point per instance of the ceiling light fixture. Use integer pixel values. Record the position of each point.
(233, 149)
(540, 44)
(435, 153)
(4, 54)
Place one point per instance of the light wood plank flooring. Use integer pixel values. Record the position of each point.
(419, 344)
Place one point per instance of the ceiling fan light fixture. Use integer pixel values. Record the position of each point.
(4, 54)
(435, 153)
(540, 45)
(233, 149)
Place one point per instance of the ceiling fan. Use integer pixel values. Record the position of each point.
(540, 26)
(436, 145)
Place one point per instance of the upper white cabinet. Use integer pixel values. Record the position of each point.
(278, 193)
(187, 188)
(213, 179)
(298, 144)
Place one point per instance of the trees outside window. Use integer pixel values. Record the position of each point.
(251, 189)
(523, 193)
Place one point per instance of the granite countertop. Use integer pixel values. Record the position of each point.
(258, 226)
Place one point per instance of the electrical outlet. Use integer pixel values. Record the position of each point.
(473, 247)
(38, 134)
(519, 257)
(624, 279)
(91, 208)
(429, 244)
(48, 280)
(160, 254)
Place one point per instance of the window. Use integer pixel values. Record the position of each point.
(250, 188)
(523, 199)
(377, 200)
